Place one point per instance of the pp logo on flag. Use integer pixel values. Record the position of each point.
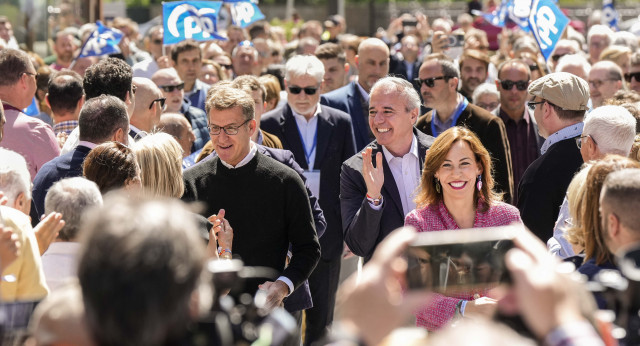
(547, 23)
(190, 20)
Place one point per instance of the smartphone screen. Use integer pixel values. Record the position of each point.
(459, 260)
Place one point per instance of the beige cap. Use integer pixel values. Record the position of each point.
(563, 89)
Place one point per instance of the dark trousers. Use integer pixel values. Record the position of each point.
(323, 284)
(296, 338)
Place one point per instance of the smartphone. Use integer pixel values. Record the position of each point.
(456, 40)
(460, 260)
(409, 23)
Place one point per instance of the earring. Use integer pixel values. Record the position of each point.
(479, 183)
(437, 185)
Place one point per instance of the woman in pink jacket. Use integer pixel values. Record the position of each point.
(456, 193)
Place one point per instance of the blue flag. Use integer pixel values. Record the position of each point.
(498, 16)
(519, 11)
(196, 20)
(547, 23)
(609, 14)
(102, 41)
(244, 12)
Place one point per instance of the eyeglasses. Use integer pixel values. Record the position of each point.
(161, 100)
(533, 67)
(488, 106)
(429, 82)
(579, 141)
(171, 88)
(629, 76)
(229, 130)
(598, 83)
(532, 105)
(307, 90)
(36, 75)
(520, 85)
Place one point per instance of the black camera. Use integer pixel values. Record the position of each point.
(621, 291)
(238, 317)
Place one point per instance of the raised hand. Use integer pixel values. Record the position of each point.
(373, 176)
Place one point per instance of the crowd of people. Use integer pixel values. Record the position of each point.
(146, 170)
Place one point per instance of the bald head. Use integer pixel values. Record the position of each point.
(372, 61)
(146, 114)
(172, 87)
(179, 127)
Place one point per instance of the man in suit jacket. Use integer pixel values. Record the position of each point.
(373, 63)
(439, 81)
(375, 197)
(320, 138)
(102, 119)
(407, 64)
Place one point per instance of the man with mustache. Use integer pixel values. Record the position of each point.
(474, 67)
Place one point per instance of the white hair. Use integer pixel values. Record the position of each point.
(71, 197)
(445, 24)
(577, 60)
(485, 88)
(567, 43)
(401, 86)
(613, 128)
(304, 65)
(600, 29)
(626, 39)
(14, 175)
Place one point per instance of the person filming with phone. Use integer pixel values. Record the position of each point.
(456, 192)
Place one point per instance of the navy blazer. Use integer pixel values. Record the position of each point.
(347, 99)
(68, 165)
(300, 299)
(334, 146)
(365, 227)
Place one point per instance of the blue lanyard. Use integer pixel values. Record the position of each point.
(456, 115)
(307, 154)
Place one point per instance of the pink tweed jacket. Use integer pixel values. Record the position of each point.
(441, 309)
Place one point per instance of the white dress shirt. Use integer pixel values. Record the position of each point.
(308, 134)
(406, 173)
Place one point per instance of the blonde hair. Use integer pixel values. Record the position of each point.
(160, 159)
(575, 198)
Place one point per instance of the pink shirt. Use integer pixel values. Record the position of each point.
(441, 309)
(29, 137)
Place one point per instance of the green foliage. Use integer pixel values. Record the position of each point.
(287, 25)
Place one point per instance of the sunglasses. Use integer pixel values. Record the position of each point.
(134, 88)
(171, 88)
(520, 85)
(308, 90)
(557, 57)
(161, 100)
(429, 82)
(228, 67)
(629, 76)
(157, 41)
(532, 105)
(533, 67)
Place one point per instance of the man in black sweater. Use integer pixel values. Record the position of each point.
(558, 105)
(265, 201)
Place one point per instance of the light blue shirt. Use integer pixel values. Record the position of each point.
(571, 131)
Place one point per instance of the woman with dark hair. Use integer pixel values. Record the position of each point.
(456, 191)
(112, 165)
